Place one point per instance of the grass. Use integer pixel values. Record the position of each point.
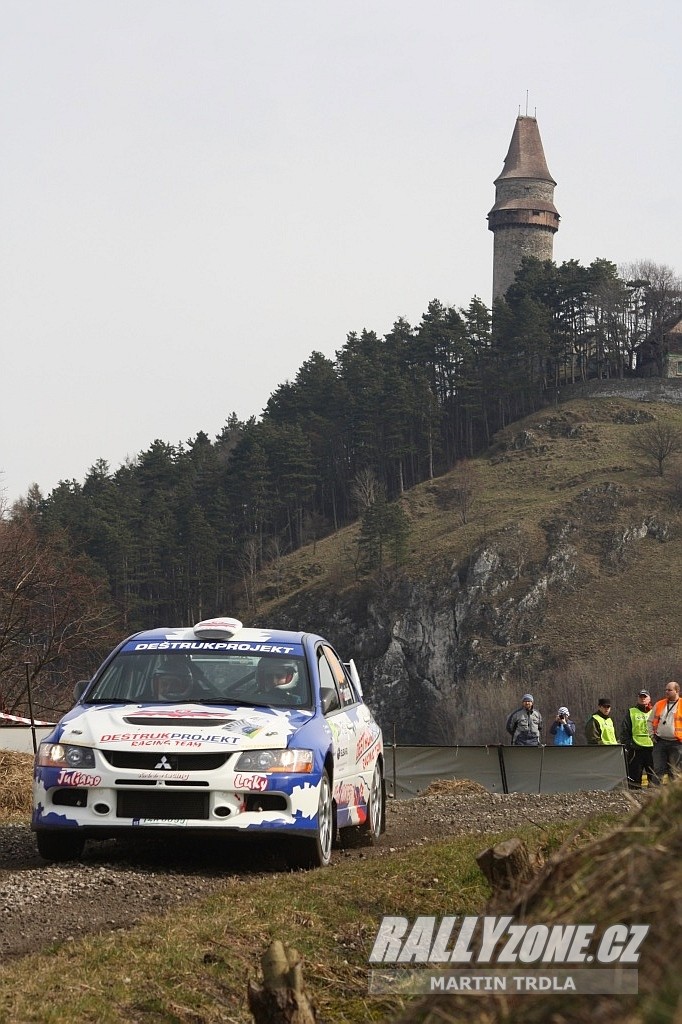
(193, 965)
(628, 876)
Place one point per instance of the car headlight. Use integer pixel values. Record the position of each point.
(293, 760)
(65, 755)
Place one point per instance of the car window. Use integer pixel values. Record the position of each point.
(343, 683)
(329, 691)
(152, 676)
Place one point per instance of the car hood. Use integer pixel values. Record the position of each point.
(180, 726)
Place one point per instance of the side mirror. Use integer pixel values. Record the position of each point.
(328, 700)
(80, 688)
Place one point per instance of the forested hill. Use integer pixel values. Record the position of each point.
(173, 531)
(186, 530)
(550, 564)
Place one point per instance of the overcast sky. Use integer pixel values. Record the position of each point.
(197, 194)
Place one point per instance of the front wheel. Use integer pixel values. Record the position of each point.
(59, 845)
(316, 851)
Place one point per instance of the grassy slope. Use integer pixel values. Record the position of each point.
(193, 965)
(626, 605)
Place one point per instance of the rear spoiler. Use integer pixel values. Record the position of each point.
(355, 678)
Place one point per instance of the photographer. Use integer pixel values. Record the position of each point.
(562, 729)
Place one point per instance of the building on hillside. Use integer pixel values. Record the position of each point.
(524, 218)
(662, 358)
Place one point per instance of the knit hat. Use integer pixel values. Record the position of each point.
(527, 696)
(564, 711)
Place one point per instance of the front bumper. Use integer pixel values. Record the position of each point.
(107, 799)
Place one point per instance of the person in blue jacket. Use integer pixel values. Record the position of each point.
(563, 728)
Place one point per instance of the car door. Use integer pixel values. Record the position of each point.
(341, 717)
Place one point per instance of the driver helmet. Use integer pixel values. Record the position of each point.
(172, 686)
(276, 674)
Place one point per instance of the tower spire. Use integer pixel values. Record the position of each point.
(524, 218)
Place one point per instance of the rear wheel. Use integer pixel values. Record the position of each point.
(316, 851)
(60, 846)
(375, 823)
(374, 826)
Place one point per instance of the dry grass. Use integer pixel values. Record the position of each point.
(16, 772)
(630, 876)
(453, 787)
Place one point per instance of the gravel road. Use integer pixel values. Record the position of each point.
(115, 884)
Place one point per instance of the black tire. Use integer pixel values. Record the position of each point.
(60, 845)
(316, 851)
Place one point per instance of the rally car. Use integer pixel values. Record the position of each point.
(214, 728)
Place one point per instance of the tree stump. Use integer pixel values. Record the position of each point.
(282, 998)
(506, 865)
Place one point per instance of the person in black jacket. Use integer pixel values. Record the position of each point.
(525, 724)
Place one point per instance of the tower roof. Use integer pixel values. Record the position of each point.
(526, 157)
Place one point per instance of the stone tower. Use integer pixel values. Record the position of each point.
(524, 218)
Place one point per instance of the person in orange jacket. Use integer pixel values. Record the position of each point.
(665, 728)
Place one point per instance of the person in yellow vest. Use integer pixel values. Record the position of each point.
(665, 729)
(639, 746)
(599, 728)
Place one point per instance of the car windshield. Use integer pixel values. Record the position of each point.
(181, 677)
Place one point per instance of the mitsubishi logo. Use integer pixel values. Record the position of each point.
(165, 764)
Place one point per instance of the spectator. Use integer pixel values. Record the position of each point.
(599, 728)
(665, 729)
(525, 724)
(563, 728)
(639, 746)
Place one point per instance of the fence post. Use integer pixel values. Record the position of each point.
(30, 706)
(542, 758)
(503, 770)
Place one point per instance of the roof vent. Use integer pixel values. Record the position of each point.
(217, 629)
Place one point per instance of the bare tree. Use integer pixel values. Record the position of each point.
(248, 564)
(655, 302)
(55, 618)
(365, 488)
(465, 488)
(657, 442)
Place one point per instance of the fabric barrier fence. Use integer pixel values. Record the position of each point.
(411, 769)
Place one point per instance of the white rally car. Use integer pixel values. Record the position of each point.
(215, 727)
